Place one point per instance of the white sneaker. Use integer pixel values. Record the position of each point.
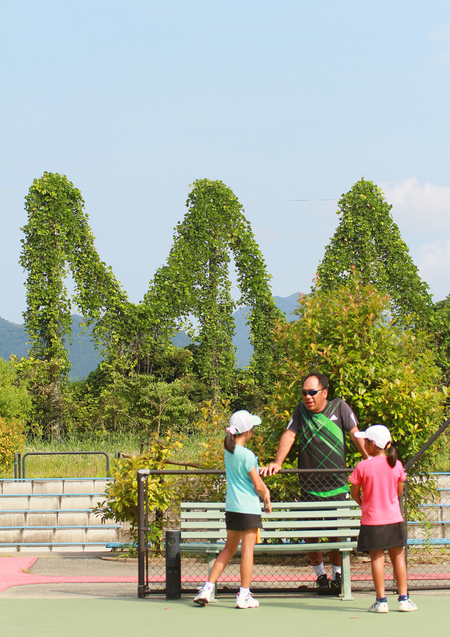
(379, 607)
(204, 596)
(406, 605)
(246, 602)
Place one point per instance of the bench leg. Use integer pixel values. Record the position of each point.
(346, 579)
(211, 559)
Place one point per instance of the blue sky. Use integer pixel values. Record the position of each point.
(281, 101)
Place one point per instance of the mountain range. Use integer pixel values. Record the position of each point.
(84, 358)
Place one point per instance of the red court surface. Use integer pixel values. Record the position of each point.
(13, 572)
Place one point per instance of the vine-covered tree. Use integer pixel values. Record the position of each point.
(57, 236)
(368, 241)
(196, 282)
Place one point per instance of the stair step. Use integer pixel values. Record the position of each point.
(55, 514)
(50, 501)
(53, 485)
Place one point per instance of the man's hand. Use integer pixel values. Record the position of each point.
(270, 469)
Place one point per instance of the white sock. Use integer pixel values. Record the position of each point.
(320, 569)
(208, 586)
(334, 570)
(244, 592)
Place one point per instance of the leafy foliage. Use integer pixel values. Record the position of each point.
(15, 401)
(441, 335)
(12, 440)
(387, 374)
(154, 407)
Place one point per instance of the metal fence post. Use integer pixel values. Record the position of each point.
(173, 564)
(141, 534)
(17, 462)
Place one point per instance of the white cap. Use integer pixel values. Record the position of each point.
(242, 421)
(379, 434)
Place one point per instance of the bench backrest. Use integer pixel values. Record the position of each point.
(205, 521)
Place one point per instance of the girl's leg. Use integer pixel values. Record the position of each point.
(377, 564)
(397, 556)
(225, 556)
(247, 545)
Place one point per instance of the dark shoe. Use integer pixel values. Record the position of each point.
(335, 584)
(323, 585)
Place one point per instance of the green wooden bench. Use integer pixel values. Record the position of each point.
(286, 529)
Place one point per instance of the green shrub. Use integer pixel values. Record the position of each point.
(15, 401)
(387, 373)
(121, 503)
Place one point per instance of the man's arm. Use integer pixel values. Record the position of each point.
(358, 442)
(284, 446)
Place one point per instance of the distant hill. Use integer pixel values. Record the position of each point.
(84, 358)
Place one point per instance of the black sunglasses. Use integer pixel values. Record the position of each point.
(311, 392)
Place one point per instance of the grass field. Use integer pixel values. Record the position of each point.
(74, 466)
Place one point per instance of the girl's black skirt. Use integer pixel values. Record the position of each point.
(381, 537)
(242, 521)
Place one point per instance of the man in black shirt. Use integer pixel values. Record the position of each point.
(320, 425)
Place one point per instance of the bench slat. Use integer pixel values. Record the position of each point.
(294, 524)
(290, 506)
(285, 515)
(205, 547)
(282, 534)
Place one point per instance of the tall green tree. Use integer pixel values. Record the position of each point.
(195, 282)
(369, 242)
(57, 237)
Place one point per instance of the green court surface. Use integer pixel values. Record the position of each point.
(181, 618)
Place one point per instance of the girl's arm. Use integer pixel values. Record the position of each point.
(355, 492)
(261, 489)
(400, 486)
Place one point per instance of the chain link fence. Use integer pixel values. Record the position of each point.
(428, 530)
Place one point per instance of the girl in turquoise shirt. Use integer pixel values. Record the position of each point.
(242, 508)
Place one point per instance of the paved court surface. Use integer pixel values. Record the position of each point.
(87, 596)
(275, 616)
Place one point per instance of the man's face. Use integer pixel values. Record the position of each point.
(318, 402)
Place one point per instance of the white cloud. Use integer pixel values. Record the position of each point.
(434, 265)
(423, 209)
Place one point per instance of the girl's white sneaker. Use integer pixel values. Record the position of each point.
(246, 602)
(406, 605)
(204, 596)
(379, 607)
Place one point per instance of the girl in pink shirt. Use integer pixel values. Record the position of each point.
(377, 484)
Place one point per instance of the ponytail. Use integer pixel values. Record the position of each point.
(391, 456)
(229, 442)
